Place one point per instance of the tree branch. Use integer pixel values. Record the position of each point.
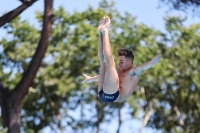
(149, 113)
(146, 118)
(178, 113)
(14, 13)
(196, 2)
(22, 88)
(119, 117)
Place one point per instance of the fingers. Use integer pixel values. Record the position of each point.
(103, 20)
(84, 75)
(107, 19)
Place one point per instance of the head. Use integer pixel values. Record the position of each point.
(125, 59)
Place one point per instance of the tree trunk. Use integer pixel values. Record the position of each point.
(146, 118)
(99, 115)
(10, 110)
(149, 113)
(119, 117)
(11, 101)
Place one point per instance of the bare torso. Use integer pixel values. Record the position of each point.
(127, 84)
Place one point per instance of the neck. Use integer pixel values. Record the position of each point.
(128, 68)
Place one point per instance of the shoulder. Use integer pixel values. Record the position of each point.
(135, 71)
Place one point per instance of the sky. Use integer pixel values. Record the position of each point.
(147, 12)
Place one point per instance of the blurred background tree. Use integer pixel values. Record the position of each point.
(187, 6)
(9, 16)
(11, 97)
(166, 97)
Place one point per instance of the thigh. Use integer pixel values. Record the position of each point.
(101, 76)
(111, 79)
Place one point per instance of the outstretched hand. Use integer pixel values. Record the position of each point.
(86, 77)
(155, 60)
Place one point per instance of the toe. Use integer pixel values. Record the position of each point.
(104, 20)
(107, 19)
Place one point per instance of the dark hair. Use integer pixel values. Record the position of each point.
(125, 52)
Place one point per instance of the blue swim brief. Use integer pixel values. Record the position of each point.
(108, 97)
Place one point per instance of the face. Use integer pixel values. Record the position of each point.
(124, 64)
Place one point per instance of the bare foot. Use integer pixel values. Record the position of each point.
(104, 24)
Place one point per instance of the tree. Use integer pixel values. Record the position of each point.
(174, 88)
(183, 5)
(58, 88)
(60, 91)
(57, 97)
(11, 100)
(14, 13)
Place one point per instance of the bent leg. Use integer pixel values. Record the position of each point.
(101, 77)
(103, 30)
(101, 59)
(107, 52)
(100, 49)
(111, 80)
(111, 76)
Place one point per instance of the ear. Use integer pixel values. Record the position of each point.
(129, 61)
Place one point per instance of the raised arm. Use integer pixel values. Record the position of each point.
(90, 79)
(138, 70)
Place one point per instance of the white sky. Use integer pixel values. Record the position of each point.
(146, 12)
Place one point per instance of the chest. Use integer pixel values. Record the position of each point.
(125, 77)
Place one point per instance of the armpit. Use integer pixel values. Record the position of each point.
(135, 73)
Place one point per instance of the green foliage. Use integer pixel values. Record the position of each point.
(3, 130)
(187, 6)
(18, 49)
(58, 98)
(177, 82)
